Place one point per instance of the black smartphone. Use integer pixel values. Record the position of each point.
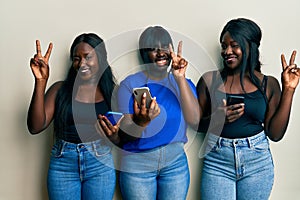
(234, 99)
(138, 93)
(113, 117)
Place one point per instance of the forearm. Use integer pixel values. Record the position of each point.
(189, 102)
(36, 118)
(279, 122)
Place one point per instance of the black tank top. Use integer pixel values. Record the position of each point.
(80, 122)
(251, 122)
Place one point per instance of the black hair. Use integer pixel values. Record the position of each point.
(150, 38)
(248, 35)
(106, 83)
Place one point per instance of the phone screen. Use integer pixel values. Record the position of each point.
(113, 117)
(234, 99)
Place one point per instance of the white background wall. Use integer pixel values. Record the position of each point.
(24, 158)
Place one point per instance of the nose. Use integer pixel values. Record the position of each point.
(160, 51)
(228, 50)
(82, 62)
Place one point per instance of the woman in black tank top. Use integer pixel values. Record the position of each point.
(81, 164)
(237, 161)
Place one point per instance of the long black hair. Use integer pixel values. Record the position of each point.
(106, 84)
(248, 35)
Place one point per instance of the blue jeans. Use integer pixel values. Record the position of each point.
(81, 171)
(239, 169)
(161, 173)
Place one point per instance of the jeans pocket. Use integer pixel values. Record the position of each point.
(211, 146)
(56, 151)
(100, 150)
(261, 146)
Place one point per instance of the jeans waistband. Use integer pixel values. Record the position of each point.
(62, 144)
(247, 141)
(176, 146)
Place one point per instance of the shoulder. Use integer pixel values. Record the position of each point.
(208, 77)
(133, 78)
(272, 82)
(273, 86)
(52, 91)
(55, 87)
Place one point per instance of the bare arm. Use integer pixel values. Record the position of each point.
(188, 101)
(212, 118)
(280, 103)
(41, 108)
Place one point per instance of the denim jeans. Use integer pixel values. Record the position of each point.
(161, 173)
(239, 169)
(81, 171)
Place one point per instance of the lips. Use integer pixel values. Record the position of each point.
(84, 69)
(162, 61)
(230, 59)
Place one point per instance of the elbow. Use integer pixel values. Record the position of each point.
(33, 131)
(193, 122)
(275, 137)
(35, 126)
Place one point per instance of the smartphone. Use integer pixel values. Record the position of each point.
(234, 99)
(113, 117)
(138, 93)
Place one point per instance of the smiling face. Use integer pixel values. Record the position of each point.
(85, 61)
(231, 52)
(160, 56)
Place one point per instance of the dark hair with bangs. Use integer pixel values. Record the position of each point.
(150, 38)
(248, 35)
(106, 83)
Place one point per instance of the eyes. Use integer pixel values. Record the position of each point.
(156, 49)
(233, 45)
(78, 59)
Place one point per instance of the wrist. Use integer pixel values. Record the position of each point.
(41, 80)
(288, 89)
(179, 77)
(115, 138)
(141, 122)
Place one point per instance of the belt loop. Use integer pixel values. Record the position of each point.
(94, 147)
(61, 146)
(219, 142)
(249, 143)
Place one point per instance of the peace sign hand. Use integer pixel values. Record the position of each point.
(39, 64)
(179, 64)
(290, 73)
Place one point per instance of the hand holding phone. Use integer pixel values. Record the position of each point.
(113, 117)
(138, 93)
(234, 99)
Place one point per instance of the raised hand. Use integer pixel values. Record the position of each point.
(179, 64)
(290, 73)
(39, 64)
